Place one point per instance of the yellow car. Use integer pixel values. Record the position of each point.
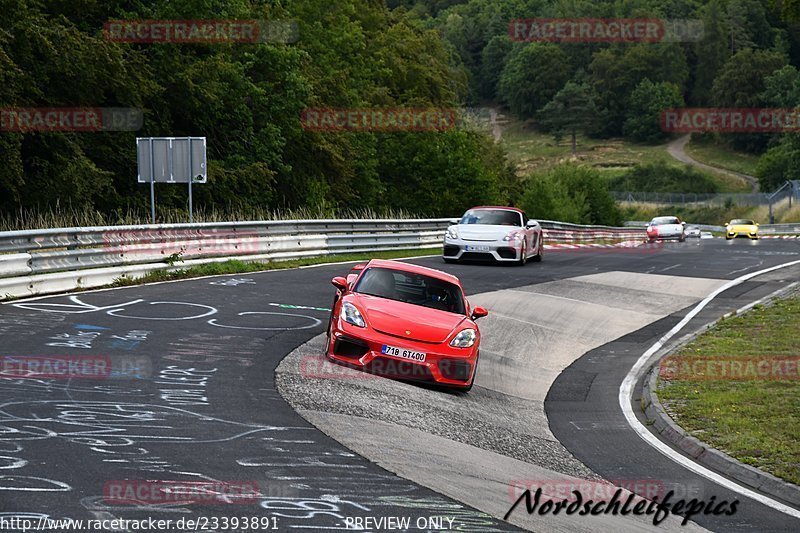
(741, 227)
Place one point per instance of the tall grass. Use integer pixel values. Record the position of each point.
(790, 215)
(714, 215)
(61, 217)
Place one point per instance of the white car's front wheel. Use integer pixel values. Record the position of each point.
(522, 256)
(538, 257)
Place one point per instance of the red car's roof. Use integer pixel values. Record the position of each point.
(496, 207)
(416, 269)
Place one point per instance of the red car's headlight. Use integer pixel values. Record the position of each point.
(351, 315)
(464, 339)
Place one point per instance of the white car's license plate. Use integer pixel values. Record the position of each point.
(402, 352)
(472, 248)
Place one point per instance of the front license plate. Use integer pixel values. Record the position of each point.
(471, 248)
(402, 352)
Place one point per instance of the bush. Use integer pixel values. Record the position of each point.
(570, 193)
(661, 177)
(779, 163)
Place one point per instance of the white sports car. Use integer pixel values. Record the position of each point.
(693, 231)
(663, 228)
(496, 233)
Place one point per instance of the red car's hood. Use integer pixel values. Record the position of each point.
(407, 320)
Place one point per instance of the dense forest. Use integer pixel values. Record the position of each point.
(247, 98)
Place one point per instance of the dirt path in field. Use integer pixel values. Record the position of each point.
(677, 149)
(497, 131)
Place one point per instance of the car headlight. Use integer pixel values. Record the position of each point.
(452, 233)
(351, 315)
(464, 339)
(513, 236)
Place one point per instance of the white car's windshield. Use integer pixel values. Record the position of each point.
(664, 220)
(496, 217)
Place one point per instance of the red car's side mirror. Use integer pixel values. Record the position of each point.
(340, 283)
(479, 312)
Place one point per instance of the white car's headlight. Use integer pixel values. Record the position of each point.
(452, 233)
(464, 339)
(351, 315)
(513, 236)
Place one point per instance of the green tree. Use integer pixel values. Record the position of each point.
(782, 88)
(741, 84)
(442, 174)
(741, 81)
(780, 163)
(645, 105)
(571, 110)
(615, 72)
(493, 61)
(532, 76)
(789, 9)
(748, 26)
(711, 51)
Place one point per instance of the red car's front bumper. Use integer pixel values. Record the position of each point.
(362, 348)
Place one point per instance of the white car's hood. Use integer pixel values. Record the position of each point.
(484, 232)
(668, 229)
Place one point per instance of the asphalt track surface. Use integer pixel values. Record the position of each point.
(202, 405)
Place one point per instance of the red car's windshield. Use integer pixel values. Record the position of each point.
(412, 288)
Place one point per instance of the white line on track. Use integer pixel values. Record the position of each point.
(626, 391)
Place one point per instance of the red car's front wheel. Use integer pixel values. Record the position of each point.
(472, 381)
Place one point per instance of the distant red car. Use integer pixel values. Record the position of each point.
(405, 321)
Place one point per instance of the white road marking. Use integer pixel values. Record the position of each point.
(626, 391)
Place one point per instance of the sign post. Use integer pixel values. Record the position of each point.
(191, 178)
(171, 160)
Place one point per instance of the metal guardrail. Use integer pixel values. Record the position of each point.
(92, 256)
(780, 229)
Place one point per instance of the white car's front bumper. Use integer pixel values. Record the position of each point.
(500, 250)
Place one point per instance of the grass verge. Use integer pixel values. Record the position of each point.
(755, 421)
(537, 152)
(717, 154)
(235, 266)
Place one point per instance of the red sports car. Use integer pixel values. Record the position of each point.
(405, 321)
